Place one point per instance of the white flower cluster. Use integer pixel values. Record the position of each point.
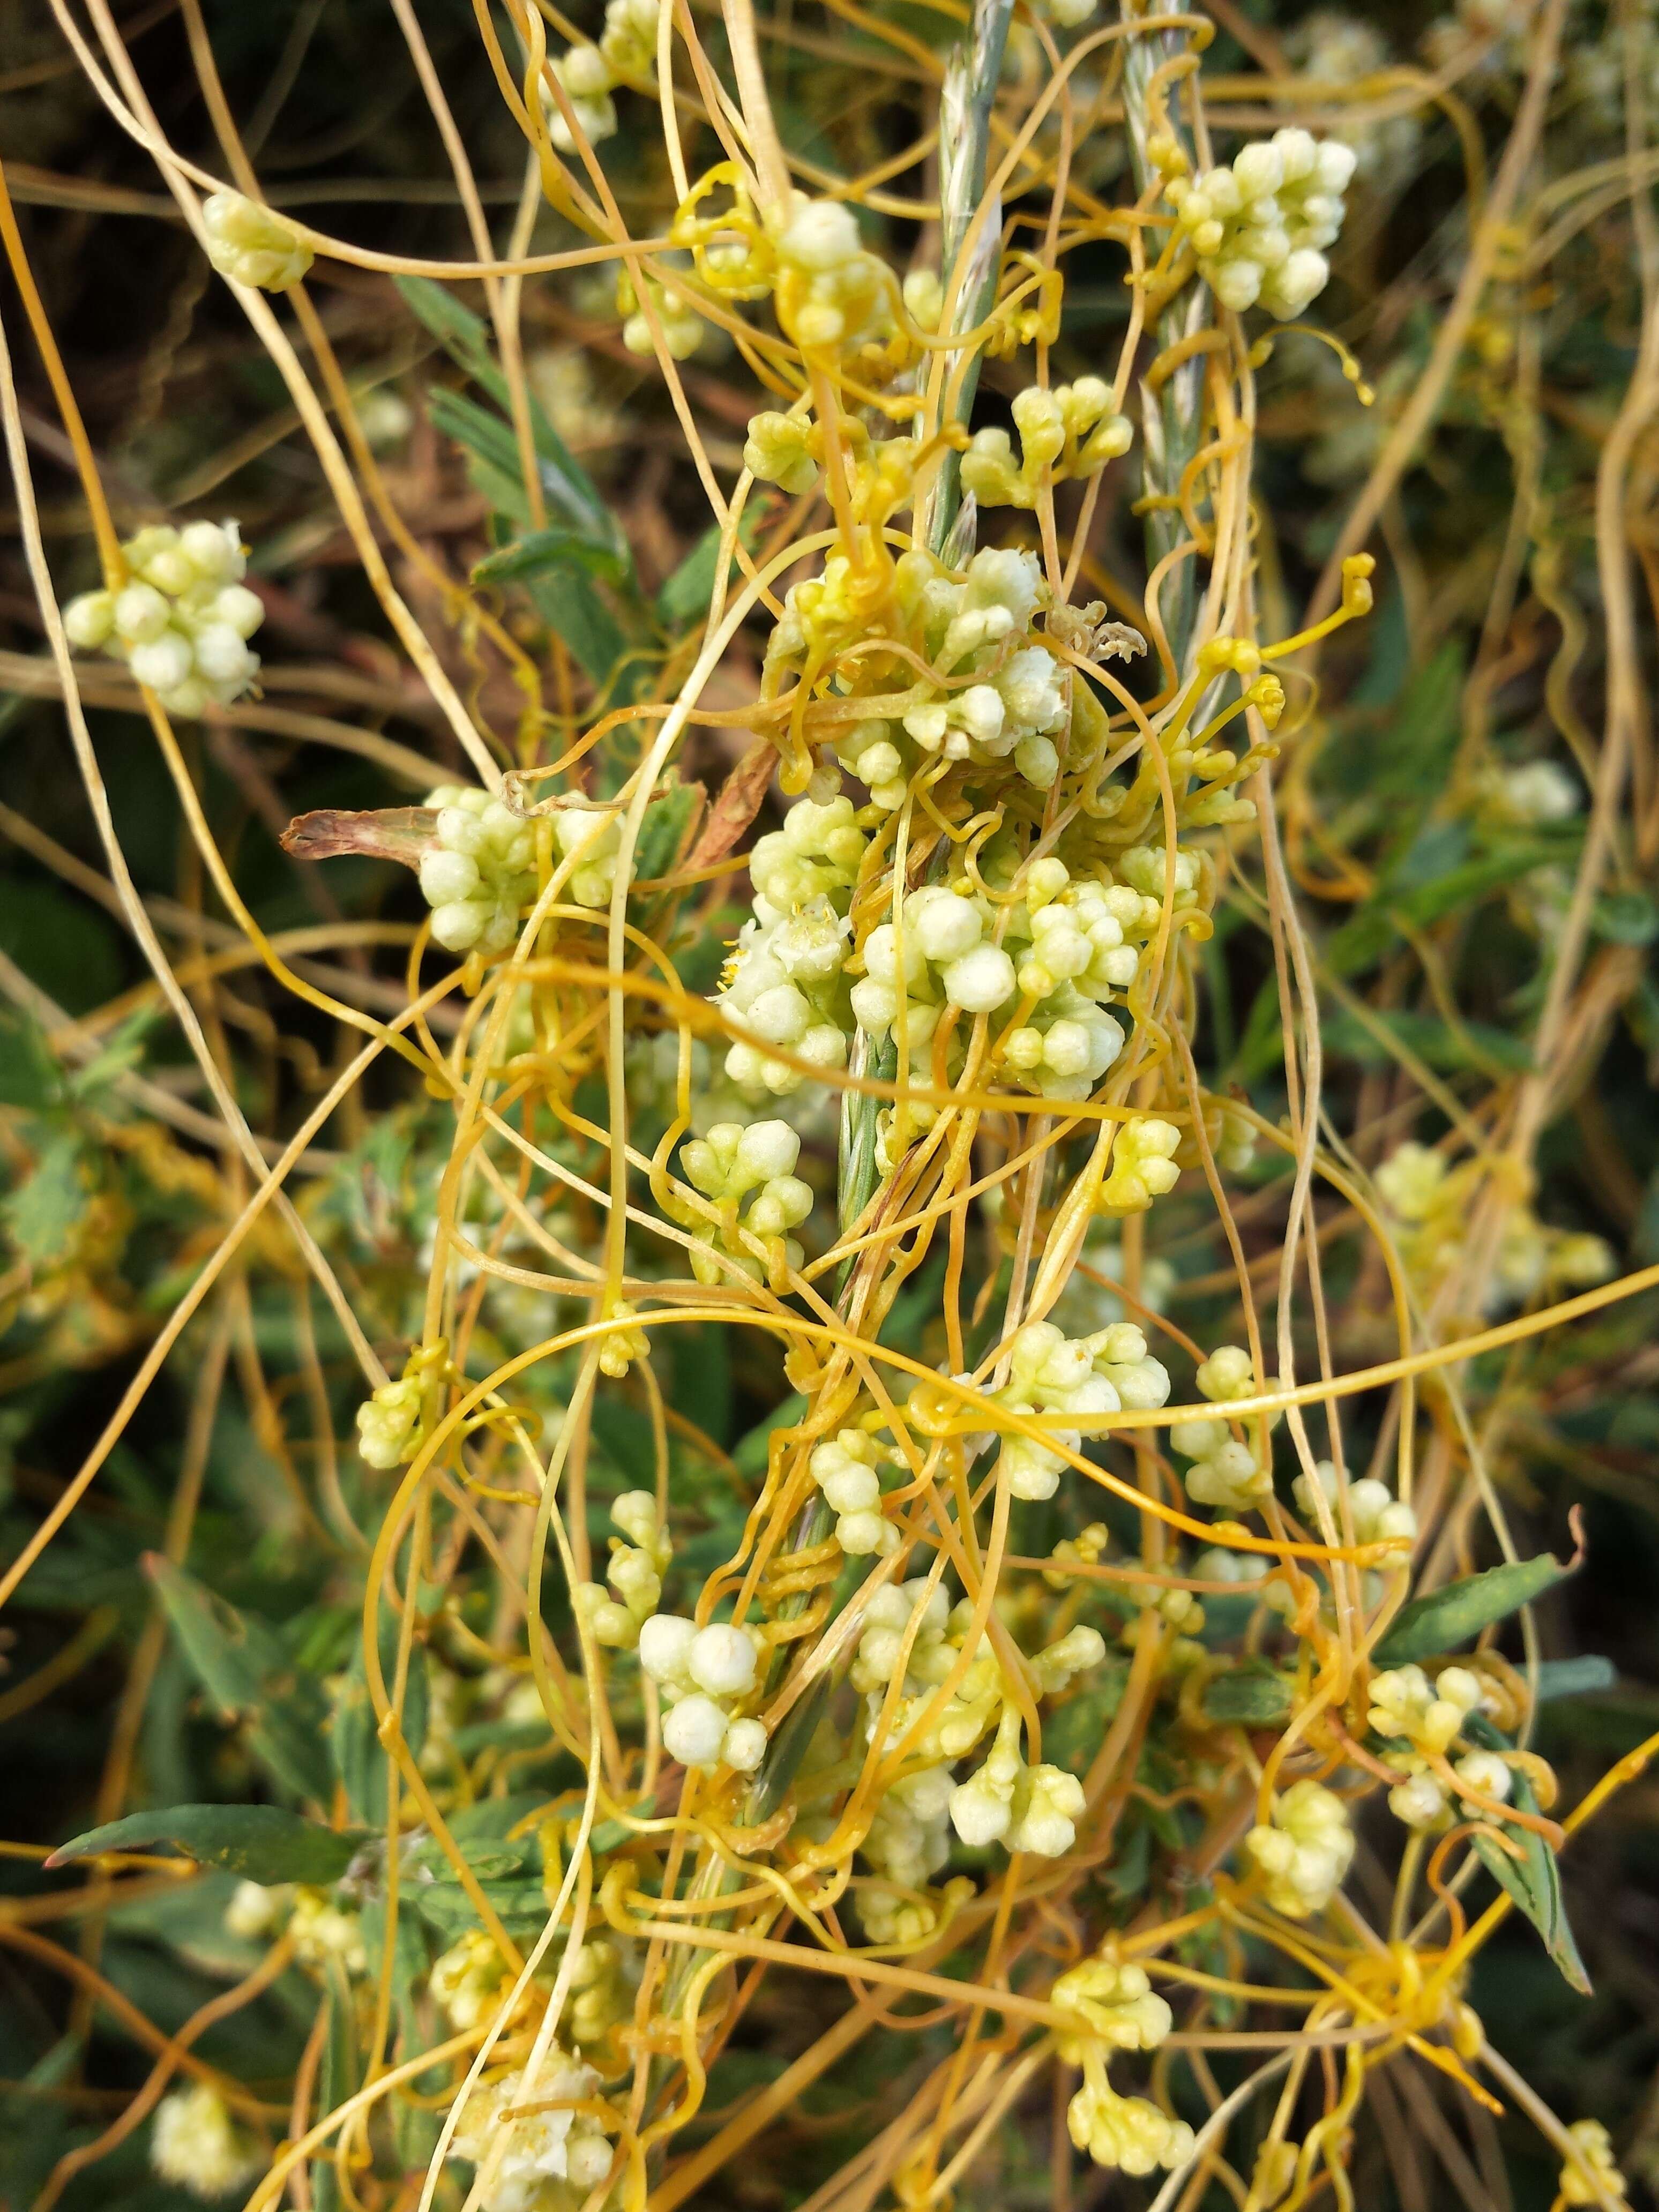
(784, 982)
(626, 52)
(749, 1172)
(636, 1573)
(1129, 2133)
(196, 2144)
(255, 1909)
(1116, 2009)
(251, 246)
(1427, 1716)
(1376, 1515)
(1050, 1373)
(1070, 430)
(182, 621)
(1225, 1472)
(1258, 227)
(518, 2154)
(844, 1467)
(480, 871)
(1535, 793)
(704, 1673)
(1306, 1851)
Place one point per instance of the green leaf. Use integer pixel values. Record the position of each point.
(571, 605)
(41, 1214)
(447, 1909)
(1253, 1694)
(261, 1843)
(685, 598)
(1575, 1678)
(239, 1661)
(491, 449)
(338, 2079)
(359, 1758)
(546, 550)
(1448, 1617)
(1375, 928)
(749, 1454)
(1627, 918)
(29, 1076)
(1533, 1880)
(1433, 1040)
(466, 340)
(666, 820)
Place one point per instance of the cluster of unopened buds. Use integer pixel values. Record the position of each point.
(1258, 227)
(1116, 2009)
(845, 1467)
(680, 324)
(1374, 1513)
(1420, 1720)
(251, 246)
(1430, 1203)
(527, 2138)
(634, 1573)
(182, 620)
(704, 1673)
(391, 1425)
(784, 984)
(1085, 1376)
(1306, 1851)
(1143, 1165)
(466, 1979)
(1025, 1808)
(1002, 695)
(479, 871)
(588, 74)
(1226, 1472)
(831, 293)
(748, 1175)
(1065, 431)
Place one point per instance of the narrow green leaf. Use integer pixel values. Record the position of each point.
(359, 1758)
(447, 1909)
(466, 338)
(262, 1843)
(338, 2079)
(667, 821)
(1252, 1694)
(1533, 1880)
(1448, 1617)
(685, 597)
(241, 1664)
(1575, 1678)
(549, 549)
(570, 604)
